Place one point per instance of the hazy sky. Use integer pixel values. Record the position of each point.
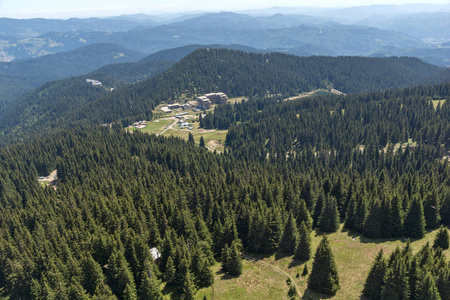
(85, 8)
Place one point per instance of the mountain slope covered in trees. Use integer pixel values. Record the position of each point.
(23, 75)
(212, 70)
(119, 194)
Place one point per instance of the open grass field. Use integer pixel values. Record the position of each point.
(353, 253)
(214, 139)
(157, 126)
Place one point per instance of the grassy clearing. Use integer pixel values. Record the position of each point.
(214, 139)
(257, 282)
(157, 126)
(354, 255)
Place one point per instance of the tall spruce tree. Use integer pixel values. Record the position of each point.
(289, 239)
(375, 280)
(442, 239)
(396, 282)
(303, 250)
(429, 289)
(324, 277)
(329, 218)
(233, 260)
(374, 221)
(415, 220)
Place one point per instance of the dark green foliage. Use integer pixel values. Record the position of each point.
(150, 288)
(289, 240)
(431, 210)
(442, 239)
(374, 221)
(305, 271)
(292, 292)
(234, 261)
(202, 142)
(169, 274)
(120, 194)
(396, 281)
(415, 220)
(303, 250)
(375, 280)
(329, 217)
(324, 277)
(429, 289)
(188, 286)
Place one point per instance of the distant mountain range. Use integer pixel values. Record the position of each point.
(365, 31)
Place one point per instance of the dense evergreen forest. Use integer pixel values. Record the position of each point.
(236, 73)
(377, 162)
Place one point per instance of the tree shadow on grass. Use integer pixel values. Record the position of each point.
(225, 276)
(281, 255)
(296, 263)
(357, 236)
(310, 295)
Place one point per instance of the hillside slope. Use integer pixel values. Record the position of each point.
(19, 76)
(211, 70)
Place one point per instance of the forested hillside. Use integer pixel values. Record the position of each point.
(377, 162)
(23, 75)
(236, 73)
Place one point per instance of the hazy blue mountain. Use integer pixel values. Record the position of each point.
(176, 54)
(424, 26)
(23, 28)
(19, 76)
(438, 56)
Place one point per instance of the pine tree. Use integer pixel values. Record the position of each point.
(149, 288)
(188, 286)
(415, 220)
(202, 142)
(431, 210)
(169, 274)
(303, 215)
(289, 239)
(413, 279)
(396, 282)
(429, 289)
(375, 280)
(234, 262)
(324, 277)
(442, 239)
(329, 218)
(303, 250)
(191, 138)
(275, 231)
(225, 257)
(374, 221)
(305, 271)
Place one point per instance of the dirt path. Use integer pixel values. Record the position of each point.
(168, 127)
(276, 269)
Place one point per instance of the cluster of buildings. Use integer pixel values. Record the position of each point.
(204, 102)
(94, 82)
(140, 124)
(168, 109)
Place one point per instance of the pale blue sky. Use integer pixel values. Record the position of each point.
(87, 8)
